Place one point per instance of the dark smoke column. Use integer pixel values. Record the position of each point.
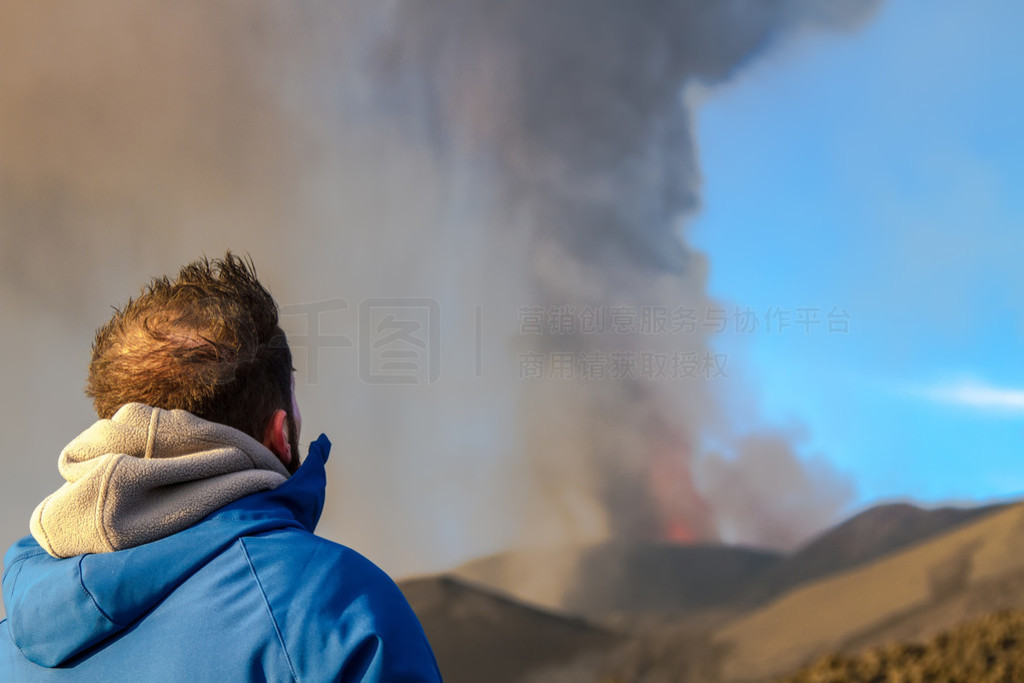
(578, 105)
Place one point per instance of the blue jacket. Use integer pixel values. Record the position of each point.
(247, 594)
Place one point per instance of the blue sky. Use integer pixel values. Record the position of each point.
(881, 172)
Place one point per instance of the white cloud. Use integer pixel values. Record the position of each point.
(978, 395)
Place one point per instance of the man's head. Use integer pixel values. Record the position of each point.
(207, 342)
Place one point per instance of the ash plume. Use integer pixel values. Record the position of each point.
(580, 107)
(490, 154)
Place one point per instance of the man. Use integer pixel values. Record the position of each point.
(181, 546)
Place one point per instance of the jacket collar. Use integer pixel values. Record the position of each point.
(300, 498)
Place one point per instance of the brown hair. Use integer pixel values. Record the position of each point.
(207, 342)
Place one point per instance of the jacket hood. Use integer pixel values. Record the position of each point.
(144, 474)
(57, 608)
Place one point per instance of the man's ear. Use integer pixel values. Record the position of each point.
(276, 437)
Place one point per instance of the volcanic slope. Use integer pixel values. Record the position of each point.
(620, 578)
(867, 536)
(478, 635)
(623, 578)
(968, 572)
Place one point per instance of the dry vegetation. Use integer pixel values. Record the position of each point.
(985, 650)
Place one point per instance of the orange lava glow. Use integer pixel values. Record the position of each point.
(682, 511)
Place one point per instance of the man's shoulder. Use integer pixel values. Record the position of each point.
(311, 578)
(329, 602)
(294, 558)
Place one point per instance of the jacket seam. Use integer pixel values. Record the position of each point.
(270, 612)
(20, 564)
(92, 598)
(22, 558)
